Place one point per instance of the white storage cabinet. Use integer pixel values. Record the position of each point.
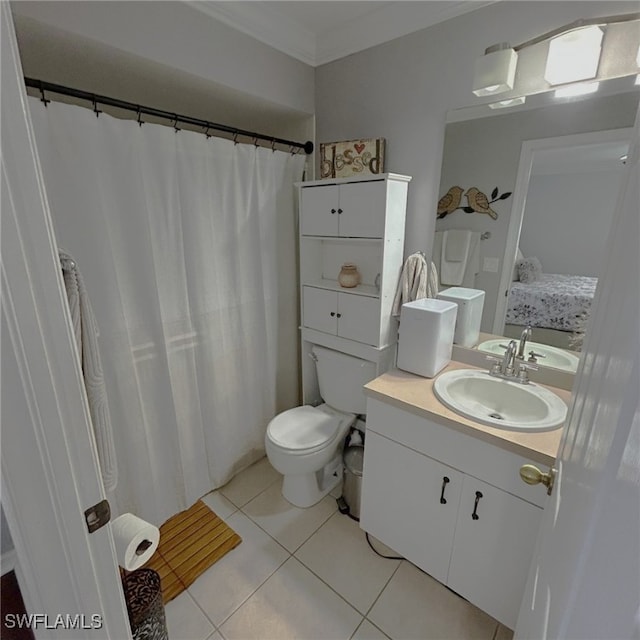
(357, 220)
(451, 504)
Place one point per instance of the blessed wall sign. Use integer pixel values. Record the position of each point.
(352, 158)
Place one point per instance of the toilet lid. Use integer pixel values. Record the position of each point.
(303, 428)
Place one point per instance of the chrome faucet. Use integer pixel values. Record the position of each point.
(524, 336)
(505, 367)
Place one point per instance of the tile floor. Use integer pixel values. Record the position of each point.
(309, 574)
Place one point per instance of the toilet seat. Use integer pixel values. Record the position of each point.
(304, 429)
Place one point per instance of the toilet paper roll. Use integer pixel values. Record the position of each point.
(136, 540)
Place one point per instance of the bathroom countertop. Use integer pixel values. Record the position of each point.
(415, 394)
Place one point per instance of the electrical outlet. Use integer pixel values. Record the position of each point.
(490, 265)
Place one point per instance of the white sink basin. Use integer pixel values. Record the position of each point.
(500, 403)
(553, 357)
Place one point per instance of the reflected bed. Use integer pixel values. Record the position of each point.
(556, 302)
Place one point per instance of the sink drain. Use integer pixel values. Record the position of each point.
(496, 416)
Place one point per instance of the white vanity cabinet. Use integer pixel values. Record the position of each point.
(480, 541)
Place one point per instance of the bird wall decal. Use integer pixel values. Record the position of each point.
(477, 201)
(450, 201)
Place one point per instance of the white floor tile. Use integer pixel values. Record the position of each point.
(414, 605)
(250, 482)
(367, 631)
(292, 605)
(222, 507)
(231, 580)
(339, 554)
(185, 620)
(289, 525)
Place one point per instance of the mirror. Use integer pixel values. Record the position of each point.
(550, 172)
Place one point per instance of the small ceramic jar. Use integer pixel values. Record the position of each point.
(349, 276)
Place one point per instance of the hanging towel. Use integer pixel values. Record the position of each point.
(419, 279)
(86, 334)
(457, 251)
(456, 245)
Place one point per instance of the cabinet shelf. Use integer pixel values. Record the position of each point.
(371, 291)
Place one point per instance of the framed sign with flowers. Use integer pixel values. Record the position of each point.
(352, 158)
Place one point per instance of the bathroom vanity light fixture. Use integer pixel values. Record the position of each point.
(495, 71)
(574, 56)
(505, 104)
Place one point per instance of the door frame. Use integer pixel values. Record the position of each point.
(525, 164)
(50, 472)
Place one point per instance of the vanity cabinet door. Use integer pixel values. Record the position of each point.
(359, 318)
(491, 553)
(346, 315)
(354, 210)
(410, 503)
(362, 207)
(319, 211)
(320, 309)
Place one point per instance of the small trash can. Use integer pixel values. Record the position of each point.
(352, 488)
(143, 595)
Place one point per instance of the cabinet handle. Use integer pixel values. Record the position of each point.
(475, 515)
(332, 314)
(333, 211)
(445, 481)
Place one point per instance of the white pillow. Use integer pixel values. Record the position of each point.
(529, 270)
(516, 276)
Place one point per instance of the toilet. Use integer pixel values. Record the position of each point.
(305, 443)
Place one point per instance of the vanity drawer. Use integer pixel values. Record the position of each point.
(473, 456)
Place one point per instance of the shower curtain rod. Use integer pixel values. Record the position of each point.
(43, 86)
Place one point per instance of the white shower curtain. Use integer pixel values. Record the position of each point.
(180, 239)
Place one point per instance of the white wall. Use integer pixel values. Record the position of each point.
(567, 218)
(402, 90)
(178, 36)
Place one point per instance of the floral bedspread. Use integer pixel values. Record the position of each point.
(556, 301)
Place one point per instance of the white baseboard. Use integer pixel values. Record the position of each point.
(8, 561)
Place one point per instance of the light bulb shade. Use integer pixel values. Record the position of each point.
(574, 56)
(495, 72)
(505, 104)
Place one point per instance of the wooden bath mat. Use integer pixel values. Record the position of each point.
(190, 542)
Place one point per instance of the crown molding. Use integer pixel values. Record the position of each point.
(275, 29)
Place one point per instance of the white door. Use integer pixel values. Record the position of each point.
(584, 581)
(49, 465)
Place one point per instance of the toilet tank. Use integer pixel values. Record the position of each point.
(341, 378)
